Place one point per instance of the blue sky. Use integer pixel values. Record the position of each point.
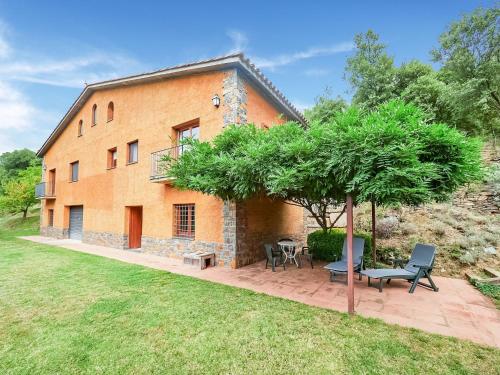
(49, 49)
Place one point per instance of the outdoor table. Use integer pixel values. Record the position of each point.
(289, 250)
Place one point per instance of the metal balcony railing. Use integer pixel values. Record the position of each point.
(158, 165)
(45, 190)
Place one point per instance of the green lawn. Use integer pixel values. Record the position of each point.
(66, 312)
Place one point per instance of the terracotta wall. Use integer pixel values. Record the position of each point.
(148, 113)
(259, 111)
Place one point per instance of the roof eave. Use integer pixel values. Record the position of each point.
(236, 60)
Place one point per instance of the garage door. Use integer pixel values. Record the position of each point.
(75, 222)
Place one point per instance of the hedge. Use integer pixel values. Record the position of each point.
(328, 245)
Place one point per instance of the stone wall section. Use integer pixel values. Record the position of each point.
(235, 98)
(235, 112)
(58, 233)
(176, 247)
(118, 241)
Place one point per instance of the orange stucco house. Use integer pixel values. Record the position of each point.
(102, 183)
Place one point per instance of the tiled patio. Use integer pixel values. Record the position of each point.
(458, 309)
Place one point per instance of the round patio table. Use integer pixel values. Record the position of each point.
(288, 248)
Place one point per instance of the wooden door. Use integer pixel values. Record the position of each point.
(135, 227)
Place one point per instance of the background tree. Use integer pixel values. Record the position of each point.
(12, 163)
(470, 53)
(370, 72)
(19, 192)
(325, 107)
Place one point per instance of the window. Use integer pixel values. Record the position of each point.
(133, 152)
(191, 131)
(80, 128)
(94, 115)
(111, 111)
(184, 220)
(73, 171)
(51, 218)
(112, 158)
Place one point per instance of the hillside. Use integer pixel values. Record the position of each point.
(465, 230)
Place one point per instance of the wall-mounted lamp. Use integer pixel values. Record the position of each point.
(216, 101)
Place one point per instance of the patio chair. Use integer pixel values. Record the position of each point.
(273, 256)
(340, 266)
(305, 253)
(419, 266)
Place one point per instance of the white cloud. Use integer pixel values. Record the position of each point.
(21, 123)
(15, 110)
(286, 59)
(240, 41)
(73, 72)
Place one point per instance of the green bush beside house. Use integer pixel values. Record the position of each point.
(328, 245)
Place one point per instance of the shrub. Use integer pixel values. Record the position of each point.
(387, 255)
(328, 245)
(408, 228)
(471, 257)
(490, 290)
(387, 226)
(439, 229)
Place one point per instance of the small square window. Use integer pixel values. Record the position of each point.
(74, 167)
(112, 158)
(184, 220)
(133, 152)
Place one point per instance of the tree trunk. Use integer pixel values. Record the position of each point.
(374, 241)
(350, 269)
(25, 213)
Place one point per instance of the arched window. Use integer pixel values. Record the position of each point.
(111, 111)
(94, 114)
(80, 128)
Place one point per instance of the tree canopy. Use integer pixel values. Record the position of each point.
(391, 155)
(19, 192)
(325, 108)
(469, 51)
(370, 71)
(12, 163)
(463, 93)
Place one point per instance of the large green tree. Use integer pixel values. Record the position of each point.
(19, 192)
(370, 72)
(389, 156)
(325, 108)
(469, 51)
(12, 163)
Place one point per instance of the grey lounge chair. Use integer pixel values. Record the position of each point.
(340, 267)
(273, 256)
(419, 266)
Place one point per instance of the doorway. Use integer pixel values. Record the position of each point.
(135, 227)
(76, 222)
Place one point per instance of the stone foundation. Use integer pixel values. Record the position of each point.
(118, 241)
(58, 233)
(176, 247)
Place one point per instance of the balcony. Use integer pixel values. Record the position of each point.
(159, 167)
(45, 190)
